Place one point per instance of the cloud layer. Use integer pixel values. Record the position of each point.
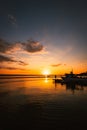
(5, 58)
(10, 68)
(9, 52)
(56, 65)
(30, 46)
(5, 46)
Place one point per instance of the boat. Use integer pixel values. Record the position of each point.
(72, 78)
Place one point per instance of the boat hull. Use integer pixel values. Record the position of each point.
(71, 81)
(75, 81)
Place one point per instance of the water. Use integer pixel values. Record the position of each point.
(36, 103)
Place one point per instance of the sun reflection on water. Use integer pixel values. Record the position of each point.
(46, 80)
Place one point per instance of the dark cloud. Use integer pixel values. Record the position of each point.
(56, 65)
(5, 46)
(4, 58)
(11, 19)
(22, 63)
(32, 46)
(10, 68)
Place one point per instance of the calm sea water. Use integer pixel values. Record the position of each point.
(36, 103)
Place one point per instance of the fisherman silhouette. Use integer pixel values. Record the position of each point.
(55, 76)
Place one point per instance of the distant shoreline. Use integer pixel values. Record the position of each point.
(37, 75)
(10, 76)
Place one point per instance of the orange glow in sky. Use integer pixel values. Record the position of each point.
(45, 62)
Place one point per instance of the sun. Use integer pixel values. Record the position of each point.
(46, 72)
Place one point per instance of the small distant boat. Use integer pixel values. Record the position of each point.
(72, 78)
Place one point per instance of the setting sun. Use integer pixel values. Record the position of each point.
(46, 72)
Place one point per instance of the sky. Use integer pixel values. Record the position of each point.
(38, 36)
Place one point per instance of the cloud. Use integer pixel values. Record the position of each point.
(10, 68)
(12, 52)
(5, 46)
(56, 65)
(32, 46)
(4, 58)
(11, 19)
(22, 63)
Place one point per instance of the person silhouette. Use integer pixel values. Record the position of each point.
(55, 76)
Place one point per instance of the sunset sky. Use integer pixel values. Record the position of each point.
(43, 35)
